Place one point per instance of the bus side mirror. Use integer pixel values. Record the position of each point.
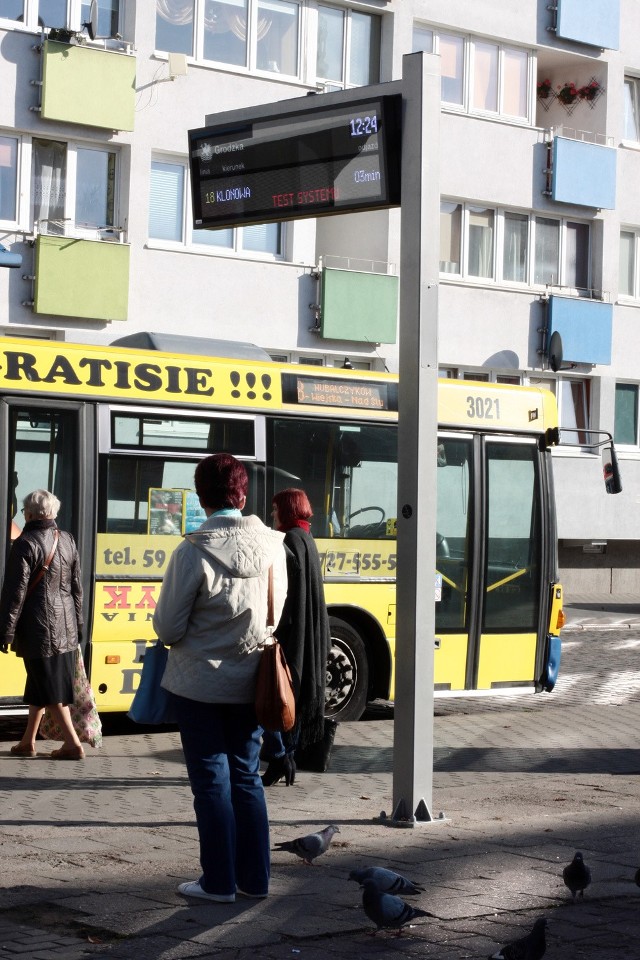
(610, 469)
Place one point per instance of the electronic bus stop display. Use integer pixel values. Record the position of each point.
(309, 163)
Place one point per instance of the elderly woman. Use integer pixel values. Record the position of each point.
(41, 620)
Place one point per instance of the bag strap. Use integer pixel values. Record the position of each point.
(45, 566)
(270, 616)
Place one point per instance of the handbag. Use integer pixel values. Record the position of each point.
(274, 699)
(151, 702)
(84, 713)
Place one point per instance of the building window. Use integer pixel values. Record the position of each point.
(625, 431)
(251, 34)
(108, 17)
(632, 108)
(513, 247)
(573, 408)
(8, 179)
(515, 258)
(481, 234)
(480, 76)
(348, 50)
(72, 188)
(169, 212)
(68, 14)
(628, 284)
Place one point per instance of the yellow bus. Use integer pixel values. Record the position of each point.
(116, 431)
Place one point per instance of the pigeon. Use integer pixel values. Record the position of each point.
(386, 880)
(311, 846)
(531, 947)
(577, 876)
(387, 911)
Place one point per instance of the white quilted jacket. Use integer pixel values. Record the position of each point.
(212, 609)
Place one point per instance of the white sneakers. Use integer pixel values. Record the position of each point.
(193, 889)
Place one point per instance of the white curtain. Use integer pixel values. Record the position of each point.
(49, 185)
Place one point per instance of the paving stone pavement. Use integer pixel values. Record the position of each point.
(91, 853)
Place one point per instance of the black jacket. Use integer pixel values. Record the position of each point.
(305, 634)
(49, 620)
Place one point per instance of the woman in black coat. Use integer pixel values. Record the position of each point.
(41, 620)
(304, 633)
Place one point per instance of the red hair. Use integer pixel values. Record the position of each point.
(292, 504)
(221, 481)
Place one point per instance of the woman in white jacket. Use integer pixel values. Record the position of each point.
(212, 615)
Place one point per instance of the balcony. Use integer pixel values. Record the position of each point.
(584, 326)
(581, 172)
(587, 21)
(87, 85)
(358, 305)
(81, 278)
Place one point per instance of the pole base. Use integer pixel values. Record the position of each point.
(400, 817)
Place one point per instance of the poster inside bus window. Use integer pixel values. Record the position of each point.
(194, 515)
(166, 511)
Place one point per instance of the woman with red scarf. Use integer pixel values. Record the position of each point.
(304, 633)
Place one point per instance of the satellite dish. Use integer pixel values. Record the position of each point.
(92, 23)
(555, 351)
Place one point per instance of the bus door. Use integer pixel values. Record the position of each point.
(490, 555)
(46, 445)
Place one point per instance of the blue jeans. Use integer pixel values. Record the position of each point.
(221, 744)
(276, 745)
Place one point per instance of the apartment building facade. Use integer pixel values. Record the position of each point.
(539, 173)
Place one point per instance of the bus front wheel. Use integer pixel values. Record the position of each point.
(347, 673)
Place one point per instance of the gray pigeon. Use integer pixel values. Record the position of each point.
(531, 947)
(387, 911)
(311, 846)
(577, 875)
(386, 880)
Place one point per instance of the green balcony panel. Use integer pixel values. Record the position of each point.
(87, 85)
(359, 306)
(82, 278)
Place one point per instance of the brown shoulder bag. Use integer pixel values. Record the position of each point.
(275, 700)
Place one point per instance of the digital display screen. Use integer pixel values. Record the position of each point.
(335, 392)
(321, 160)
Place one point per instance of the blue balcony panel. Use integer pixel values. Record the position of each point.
(596, 22)
(585, 328)
(584, 174)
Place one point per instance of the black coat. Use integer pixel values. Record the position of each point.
(49, 620)
(305, 634)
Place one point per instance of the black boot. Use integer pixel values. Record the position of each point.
(278, 768)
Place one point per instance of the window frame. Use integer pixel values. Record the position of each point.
(347, 33)
(250, 64)
(633, 82)
(16, 220)
(188, 245)
(500, 215)
(32, 22)
(580, 404)
(619, 443)
(470, 46)
(108, 232)
(634, 295)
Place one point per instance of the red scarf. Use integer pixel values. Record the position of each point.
(303, 524)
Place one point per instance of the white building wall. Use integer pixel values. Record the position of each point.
(484, 327)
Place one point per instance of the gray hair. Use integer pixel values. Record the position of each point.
(41, 504)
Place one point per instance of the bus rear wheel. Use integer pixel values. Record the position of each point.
(347, 673)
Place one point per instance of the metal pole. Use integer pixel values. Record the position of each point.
(417, 442)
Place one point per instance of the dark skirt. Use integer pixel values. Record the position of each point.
(50, 679)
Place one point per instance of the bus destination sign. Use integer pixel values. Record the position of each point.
(334, 392)
(317, 161)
